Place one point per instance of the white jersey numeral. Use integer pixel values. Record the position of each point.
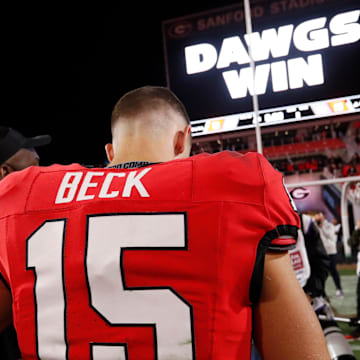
(108, 352)
(45, 250)
(108, 237)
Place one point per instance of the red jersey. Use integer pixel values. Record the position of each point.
(159, 262)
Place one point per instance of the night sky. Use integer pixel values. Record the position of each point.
(64, 68)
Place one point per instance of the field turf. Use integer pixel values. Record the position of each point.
(345, 307)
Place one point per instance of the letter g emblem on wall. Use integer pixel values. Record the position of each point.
(299, 193)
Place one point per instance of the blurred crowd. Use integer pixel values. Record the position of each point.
(334, 163)
(276, 138)
(301, 164)
(334, 166)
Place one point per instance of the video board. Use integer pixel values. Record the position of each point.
(306, 63)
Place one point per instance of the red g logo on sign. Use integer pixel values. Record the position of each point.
(180, 29)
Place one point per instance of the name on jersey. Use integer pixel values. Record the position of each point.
(75, 185)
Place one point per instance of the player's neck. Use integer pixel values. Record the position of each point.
(143, 154)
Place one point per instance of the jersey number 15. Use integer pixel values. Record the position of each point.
(108, 235)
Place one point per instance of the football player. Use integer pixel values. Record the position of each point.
(159, 256)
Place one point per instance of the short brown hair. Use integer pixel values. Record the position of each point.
(144, 99)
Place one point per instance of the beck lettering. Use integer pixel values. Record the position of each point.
(76, 184)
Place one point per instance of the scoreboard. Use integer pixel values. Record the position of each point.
(306, 63)
(277, 116)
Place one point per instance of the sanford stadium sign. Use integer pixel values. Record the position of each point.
(230, 15)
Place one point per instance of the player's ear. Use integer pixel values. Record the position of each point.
(181, 140)
(5, 170)
(109, 152)
(178, 143)
(188, 140)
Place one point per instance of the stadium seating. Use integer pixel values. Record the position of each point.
(302, 148)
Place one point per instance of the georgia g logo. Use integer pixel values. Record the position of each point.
(180, 29)
(299, 193)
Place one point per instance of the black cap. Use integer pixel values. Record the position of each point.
(11, 141)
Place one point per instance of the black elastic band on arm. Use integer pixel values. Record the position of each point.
(263, 246)
(290, 231)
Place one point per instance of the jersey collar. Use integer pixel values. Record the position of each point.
(132, 165)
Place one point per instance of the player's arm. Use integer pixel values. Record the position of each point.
(5, 306)
(285, 325)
